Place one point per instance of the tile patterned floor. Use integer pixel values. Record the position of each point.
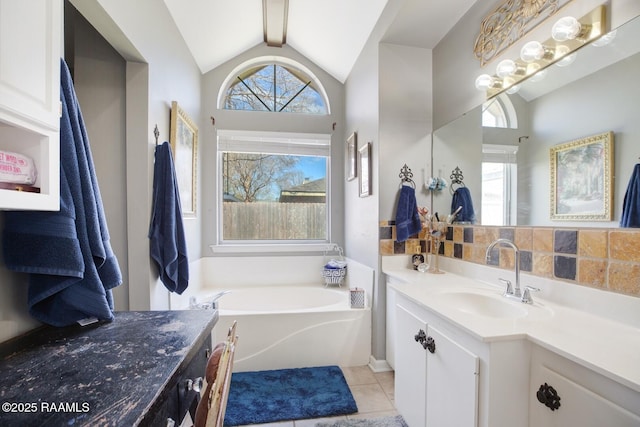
(373, 392)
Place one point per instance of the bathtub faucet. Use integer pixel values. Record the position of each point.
(216, 297)
(212, 304)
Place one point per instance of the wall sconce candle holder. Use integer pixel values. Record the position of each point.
(569, 35)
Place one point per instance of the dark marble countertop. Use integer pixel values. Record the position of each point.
(104, 374)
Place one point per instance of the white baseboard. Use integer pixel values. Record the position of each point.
(379, 365)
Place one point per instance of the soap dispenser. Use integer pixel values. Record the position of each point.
(417, 259)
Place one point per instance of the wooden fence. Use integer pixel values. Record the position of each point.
(274, 221)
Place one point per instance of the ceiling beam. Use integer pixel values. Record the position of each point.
(274, 21)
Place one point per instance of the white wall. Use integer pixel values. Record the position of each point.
(405, 122)
(160, 69)
(458, 145)
(396, 118)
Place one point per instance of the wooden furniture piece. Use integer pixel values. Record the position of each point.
(214, 400)
(138, 370)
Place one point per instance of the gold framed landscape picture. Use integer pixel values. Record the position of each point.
(582, 179)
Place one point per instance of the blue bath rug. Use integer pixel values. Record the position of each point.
(259, 397)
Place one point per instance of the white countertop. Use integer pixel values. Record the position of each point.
(608, 346)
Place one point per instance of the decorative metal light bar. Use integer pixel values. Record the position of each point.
(567, 36)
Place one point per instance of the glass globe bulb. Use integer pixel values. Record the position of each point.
(532, 51)
(513, 89)
(484, 82)
(566, 28)
(605, 40)
(506, 68)
(508, 82)
(538, 76)
(567, 60)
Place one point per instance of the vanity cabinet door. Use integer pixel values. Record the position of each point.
(410, 368)
(452, 383)
(566, 394)
(436, 379)
(30, 38)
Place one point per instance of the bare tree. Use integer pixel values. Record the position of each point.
(251, 177)
(273, 88)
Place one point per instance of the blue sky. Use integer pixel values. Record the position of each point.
(313, 167)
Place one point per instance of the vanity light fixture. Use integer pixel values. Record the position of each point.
(566, 57)
(506, 68)
(606, 39)
(513, 89)
(567, 28)
(568, 35)
(539, 75)
(484, 82)
(533, 51)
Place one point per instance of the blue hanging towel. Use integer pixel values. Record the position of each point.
(631, 205)
(407, 217)
(462, 197)
(67, 253)
(168, 243)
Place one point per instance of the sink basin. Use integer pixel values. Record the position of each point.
(484, 305)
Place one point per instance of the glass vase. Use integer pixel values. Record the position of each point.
(437, 233)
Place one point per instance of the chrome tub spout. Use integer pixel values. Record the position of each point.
(211, 304)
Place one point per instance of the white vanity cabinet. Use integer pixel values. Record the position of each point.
(546, 365)
(30, 51)
(465, 382)
(564, 393)
(436, 377)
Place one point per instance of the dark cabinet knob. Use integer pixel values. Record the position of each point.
(430, 344)
(195, 385)
(548, 396)
(427, 342)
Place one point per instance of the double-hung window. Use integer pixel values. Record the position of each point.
(499, 184)
(273, 188)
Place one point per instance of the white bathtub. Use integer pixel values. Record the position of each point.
(292, 326)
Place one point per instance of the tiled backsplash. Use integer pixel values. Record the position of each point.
(608, 259)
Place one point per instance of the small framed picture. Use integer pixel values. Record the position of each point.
(364, 165)
(352, 143)
(184, 144)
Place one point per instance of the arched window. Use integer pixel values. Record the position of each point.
(277, 86)
(499, 113)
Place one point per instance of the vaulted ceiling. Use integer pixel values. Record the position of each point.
(331, 33)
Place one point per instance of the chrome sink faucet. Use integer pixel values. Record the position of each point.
(515, 292)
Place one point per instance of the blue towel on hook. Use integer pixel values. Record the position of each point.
(631, 205)
(407, 217)
(166, 232)
(67, 253)
(462, 197)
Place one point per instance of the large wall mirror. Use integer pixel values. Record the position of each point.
(503, 147)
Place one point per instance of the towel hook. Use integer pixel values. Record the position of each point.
(406, 175)
(156, 133)
(456, 178)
